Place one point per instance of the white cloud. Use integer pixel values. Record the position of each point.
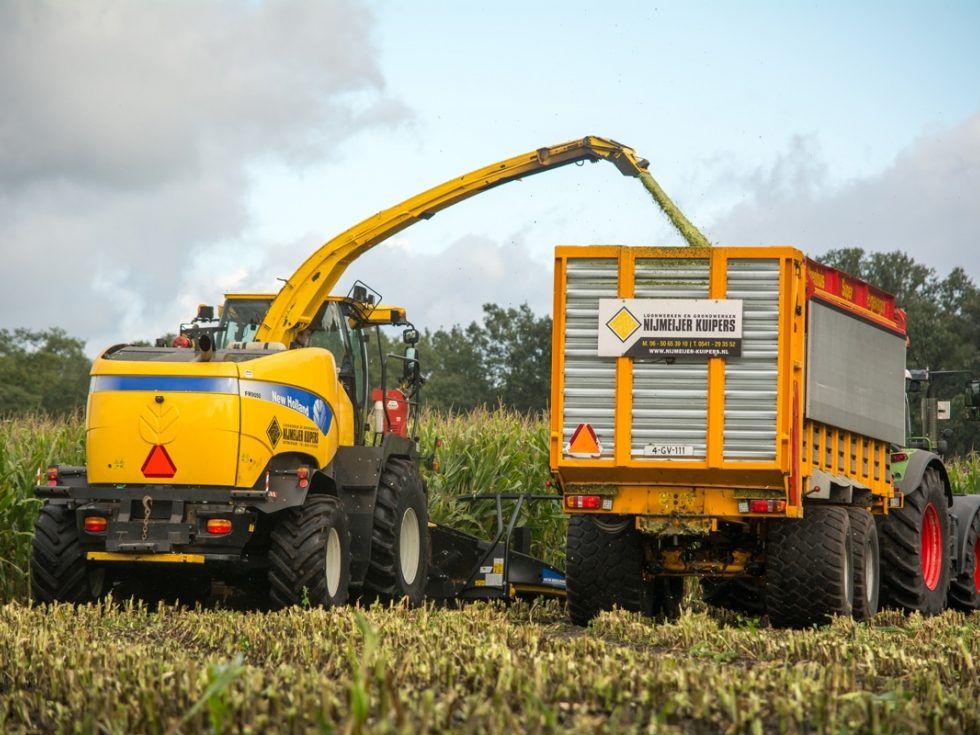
(126, 134)
(925, 203)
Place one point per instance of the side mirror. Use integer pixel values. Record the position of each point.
(205, 313)
(410, 367)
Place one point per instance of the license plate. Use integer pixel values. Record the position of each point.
(668, 450)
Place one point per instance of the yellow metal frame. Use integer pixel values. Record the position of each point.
(152, 558)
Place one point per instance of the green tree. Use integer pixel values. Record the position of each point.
(42, 371)
(943, 324)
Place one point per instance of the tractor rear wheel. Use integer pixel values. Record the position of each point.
(309, 555)
(59, 572)
(604, 567)
(809, 568)
(964, 590)
(915, 563)
(400, 537)
(867, 563)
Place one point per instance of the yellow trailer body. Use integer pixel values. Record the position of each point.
(696, 386)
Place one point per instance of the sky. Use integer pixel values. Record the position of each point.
(155, 155)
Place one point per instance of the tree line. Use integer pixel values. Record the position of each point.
(505, 359)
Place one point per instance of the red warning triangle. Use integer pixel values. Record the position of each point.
(158, 463)
(584, 442)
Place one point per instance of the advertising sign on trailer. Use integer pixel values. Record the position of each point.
(647, 328)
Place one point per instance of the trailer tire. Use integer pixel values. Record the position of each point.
(400, 537)
(964, 589)
(809, 568)
(915, 560)
(604, 567)
(867, 563)
(59, 572)
(745, 595)
(309, 555)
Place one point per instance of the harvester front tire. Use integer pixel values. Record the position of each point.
(604, 567)
(867, 563)
(809, 568)
(915, 562)
(964, 590)
(59, 572)
(309, 555)
(400, 538)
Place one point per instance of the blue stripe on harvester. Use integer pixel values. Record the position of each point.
(169, 383)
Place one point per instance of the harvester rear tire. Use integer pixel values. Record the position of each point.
(809, 568)
(400, 538)
(59, 572)
(867, 563)
(964, 590)
(745, 595)
(604, 567)
(309, 555)
(915, 560)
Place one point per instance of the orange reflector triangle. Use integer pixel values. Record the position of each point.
(158, 463)
(584, 442)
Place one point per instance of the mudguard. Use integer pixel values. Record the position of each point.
(909, 478)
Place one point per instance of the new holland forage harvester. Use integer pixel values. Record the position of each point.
(246, 461)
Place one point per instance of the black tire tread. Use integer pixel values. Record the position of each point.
(383, 580)
(863, 529)
(805, 582)
(603, 569)
(963, 592)
(58, 567)
(296, 554)
(899, 534)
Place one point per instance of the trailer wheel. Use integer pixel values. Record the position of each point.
(964, 590)
(309, 555)
(915, 563)
(59, 572)
(867, 563)
(738, 594)
(604, 567)
(809, 568)
(400, 537)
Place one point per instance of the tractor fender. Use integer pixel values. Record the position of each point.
(963, 510)
(921, 460)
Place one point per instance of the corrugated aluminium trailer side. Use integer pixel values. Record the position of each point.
(735, 426)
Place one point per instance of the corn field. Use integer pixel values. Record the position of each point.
(120, 666)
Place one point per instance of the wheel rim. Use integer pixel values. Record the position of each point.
(409, 546)
(931, 547)
(332, 566)
(870, 572)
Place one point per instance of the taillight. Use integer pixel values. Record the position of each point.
(899, 456)
(52, 476)
(758, 505)
(303, 475)
(218, 526)
(587, 502)
(95, 524)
